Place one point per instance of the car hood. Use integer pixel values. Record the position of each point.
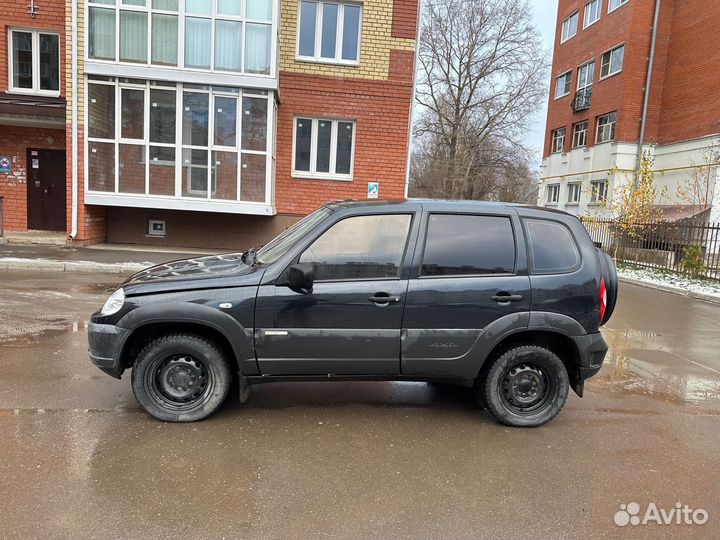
(211, 272)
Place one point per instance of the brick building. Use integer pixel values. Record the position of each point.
(217, 123)
(630, 75)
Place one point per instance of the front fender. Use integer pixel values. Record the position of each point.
(239, 337)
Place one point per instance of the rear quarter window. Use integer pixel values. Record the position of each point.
(552, 246)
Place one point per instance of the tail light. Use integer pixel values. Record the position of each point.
(603, 299)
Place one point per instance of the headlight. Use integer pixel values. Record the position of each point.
(113, 303)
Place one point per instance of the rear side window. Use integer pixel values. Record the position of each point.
(553, 247)
(360, 247)
(466, 244)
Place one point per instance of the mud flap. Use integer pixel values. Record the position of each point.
(577, 383)
(244, 385)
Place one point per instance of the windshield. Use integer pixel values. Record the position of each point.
(274, 249)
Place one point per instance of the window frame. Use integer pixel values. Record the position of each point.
(576, 13)
(585, 13)
(621, 4)
(554, 139)
(456, 276)
(181, 72)
(572, 187)
(401, 264)
(568, 85)
(585, 66)
(594, 199)
(599, 126)
(312, 173)
(531, 258)
(552, 188)
(35, 90)
(338, 59)
(609, 64)
(576, 131)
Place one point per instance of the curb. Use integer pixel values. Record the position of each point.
(673, 290)
(71, 266)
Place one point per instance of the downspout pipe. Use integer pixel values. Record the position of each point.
(74, 120)
(648, 82)
(411, 121)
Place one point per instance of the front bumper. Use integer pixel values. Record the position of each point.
(592, 350)
(105, 343)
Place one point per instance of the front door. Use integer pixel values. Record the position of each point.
(349, 324)
(46, 190)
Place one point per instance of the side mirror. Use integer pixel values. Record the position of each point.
(300, 277)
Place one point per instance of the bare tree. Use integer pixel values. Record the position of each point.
(698, 187)
(483, 74)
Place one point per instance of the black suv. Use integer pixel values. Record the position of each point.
(504, 298)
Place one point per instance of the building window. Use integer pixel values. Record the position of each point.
(580, 134)
(569, 27)
(563, 84)
(612, 62)
(35, 63)
(598, 191)
(329, 32)
(586, 72)
(606, 128)
(553, 193)
(175, 140)
(558, 140)
(324, 148)
(592, 12)
(614, 4)
(574, 193)
(222, 35)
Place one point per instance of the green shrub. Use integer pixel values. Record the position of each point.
(693, 261)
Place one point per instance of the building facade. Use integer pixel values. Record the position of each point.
(217, 123)
(632, 76)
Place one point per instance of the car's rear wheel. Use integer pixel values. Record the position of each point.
(181, 378)
(525, 386)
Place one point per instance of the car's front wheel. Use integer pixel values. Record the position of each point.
(181, 377)
(525, 386)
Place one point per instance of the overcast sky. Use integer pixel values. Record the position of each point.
(545, 12)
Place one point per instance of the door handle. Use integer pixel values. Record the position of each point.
(384, 299)
(504, 298)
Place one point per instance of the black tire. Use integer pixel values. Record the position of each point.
(609, 273)
(525, 386)
(181, 378)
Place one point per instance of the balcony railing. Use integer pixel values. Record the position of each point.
(582, 99)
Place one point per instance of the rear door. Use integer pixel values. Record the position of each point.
(349, 324)
(469, 272)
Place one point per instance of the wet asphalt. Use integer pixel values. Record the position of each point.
(79, 459)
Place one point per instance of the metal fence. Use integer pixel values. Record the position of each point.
(664, 245)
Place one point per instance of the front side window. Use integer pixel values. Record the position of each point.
(612, 61)
(360, 247)
(324, 148)
(35, 63)
(580, 134)
(468, 245)
(606, 128)
(329, 31)
(563, 84)
(598, 191)
(553, 193)
(574, 193)
(592, 12)
(558, 140)
(221, 35)
(569, 27)
(178, 140)
(552, 246)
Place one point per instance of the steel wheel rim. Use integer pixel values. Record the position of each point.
(526, 389)
(180, 382)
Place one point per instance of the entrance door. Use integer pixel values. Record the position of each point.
(46, 190)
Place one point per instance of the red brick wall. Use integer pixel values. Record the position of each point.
(404, 22)
(14, 142)
(51, 16)
(630, 24)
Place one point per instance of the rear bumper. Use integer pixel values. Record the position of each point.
(592, 349)
(105, 342)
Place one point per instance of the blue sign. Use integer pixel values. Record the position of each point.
(373, 190)
(5, 165)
